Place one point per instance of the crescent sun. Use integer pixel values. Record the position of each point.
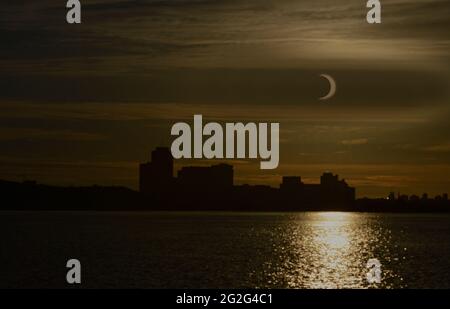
(332, 83)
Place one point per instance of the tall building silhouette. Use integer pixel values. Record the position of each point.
(335, 190)
(291, 183)
(157, 175)
(200, 178)
(330, 190)
(203, 185)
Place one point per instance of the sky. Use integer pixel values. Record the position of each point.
(84, 104)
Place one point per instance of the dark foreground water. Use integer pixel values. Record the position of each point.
(223, 250)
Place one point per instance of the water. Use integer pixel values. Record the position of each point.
(224, 250)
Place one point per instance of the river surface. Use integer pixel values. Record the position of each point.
(224, 250)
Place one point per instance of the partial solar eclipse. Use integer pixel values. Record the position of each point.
(332, 90)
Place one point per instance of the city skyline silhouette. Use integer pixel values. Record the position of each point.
(210, 188)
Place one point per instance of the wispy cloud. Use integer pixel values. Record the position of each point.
(219, 112)
(445, 147)
(194, 33)
(9, 134)
(356, 141)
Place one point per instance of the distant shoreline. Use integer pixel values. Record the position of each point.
(193, 211)
(30, 196)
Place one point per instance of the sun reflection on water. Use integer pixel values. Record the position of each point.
(332, 235)
(331, 243)
(329, 250)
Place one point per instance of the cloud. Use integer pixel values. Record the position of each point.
(386, 181)
(219, 112)
(218, 34)
(10, 134)
(356, 141)
(227, 52)
(445, 147)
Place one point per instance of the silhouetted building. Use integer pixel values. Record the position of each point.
(414, 198)
(334, 190)
(255, 197)
(311, 193)
(213, 187)
(211, 178)
(157, 176)
(331, 191)
(291, 183)
(402, 197)
(328, 180)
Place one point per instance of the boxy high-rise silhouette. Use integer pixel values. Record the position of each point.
(197, 182)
